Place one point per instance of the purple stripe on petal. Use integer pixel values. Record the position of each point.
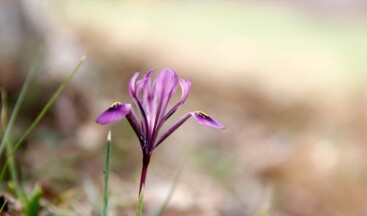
(115, 113)
(204, 119)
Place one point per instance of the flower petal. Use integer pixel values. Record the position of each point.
(116, 112)
(144, 85)
(147, 96)
(200, 117)
(132, 82)
(134, 90)
(165, 86)
(172, 128)
(133, 120)
(185, 88)
(204, 119)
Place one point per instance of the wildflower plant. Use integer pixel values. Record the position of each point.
(151, 99)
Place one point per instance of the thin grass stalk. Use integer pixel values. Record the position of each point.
(168, 198)
(3, 206)
(49, 104)
(44, 111)
(20, 100)
(11, 164)
(3, 169)
(13, 171)
(107, 175)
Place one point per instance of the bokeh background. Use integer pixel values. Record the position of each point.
(287, 79)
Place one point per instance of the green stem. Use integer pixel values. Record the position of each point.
(139, 209)
(20, 100)
(49, 104)
(144, 170)
(44, 111)
(3, 169)
(11, 164)
(12, 170)
(107, 174)
(3, 206)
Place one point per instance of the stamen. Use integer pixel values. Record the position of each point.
(114, 105)
(202, 114)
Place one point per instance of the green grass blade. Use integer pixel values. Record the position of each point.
(168, 198)
(49, 104)
(3, 169)
(12, 170)
(3, 206)
(20, 100)
(11, 164)
(44, 111)
(107, 174)
(3, 126)
(139, 208)
(32, 205)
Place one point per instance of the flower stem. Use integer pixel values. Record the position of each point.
(146, 160)
(107, 175)
(139, 208)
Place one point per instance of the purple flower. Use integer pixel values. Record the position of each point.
(151, 101)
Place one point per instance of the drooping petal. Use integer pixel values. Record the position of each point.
(172, 128)
(116, 112)
(204, 119)
(200, 117)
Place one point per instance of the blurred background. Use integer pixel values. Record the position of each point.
(287, 79)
